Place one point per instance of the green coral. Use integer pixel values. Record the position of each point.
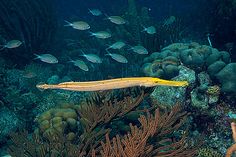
(208, 152)
(61, 120)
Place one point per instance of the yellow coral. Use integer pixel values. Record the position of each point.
(213, 90)
(208, 152)
(57, 120)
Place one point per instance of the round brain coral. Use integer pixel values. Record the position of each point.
(58, 121)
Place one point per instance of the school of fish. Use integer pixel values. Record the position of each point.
(91, 57)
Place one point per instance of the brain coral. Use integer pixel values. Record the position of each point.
(165, 64)
(227, 77)
(58, 120)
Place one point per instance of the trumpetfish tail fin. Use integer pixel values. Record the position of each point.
(45, 86)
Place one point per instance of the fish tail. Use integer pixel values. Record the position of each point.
(83, 54)
(3, 47)
(45, 86)
(129, 47)
(37, 56)
(107, 17)
(68, 23)
(91, 33)
(143, 26)
(108, 52)
(70, 60)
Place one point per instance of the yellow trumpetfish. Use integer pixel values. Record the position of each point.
(113, 84)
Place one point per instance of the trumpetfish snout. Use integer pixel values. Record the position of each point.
(113, 84)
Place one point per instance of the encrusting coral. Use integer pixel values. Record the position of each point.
(208, 152)
(153, 138)
(213, 90)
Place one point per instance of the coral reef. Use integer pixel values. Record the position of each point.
(194, 56)
(213, 93)
(136, 143)
(9, 122)
(227, 77)
(22, 100)
(211, 79)
(169, 96)
(152, 138)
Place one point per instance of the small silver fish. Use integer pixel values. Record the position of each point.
(80, 25)
(92, 57)
(117, 45)
(81, 64)
(101, 34)
(150, 30)
(95, 12)
(169, 21)
(47, 58)
(139, 49)
(117, 57)
(29, 74)
(116, 20)
(11, 44)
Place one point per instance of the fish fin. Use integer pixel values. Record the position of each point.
(83, 54)
(108, 46)
(90, 11)
(67, 83)
(70, 61)
(144, 28)
(68, 23)
(37, 56)
(3, 47)
(130, 47)
(127, 22)
(91, 33)
(106, 16)
(108, 52)
(107, 49)
(40, 86)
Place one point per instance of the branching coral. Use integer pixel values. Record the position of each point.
(150, 139)
(103, 113)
